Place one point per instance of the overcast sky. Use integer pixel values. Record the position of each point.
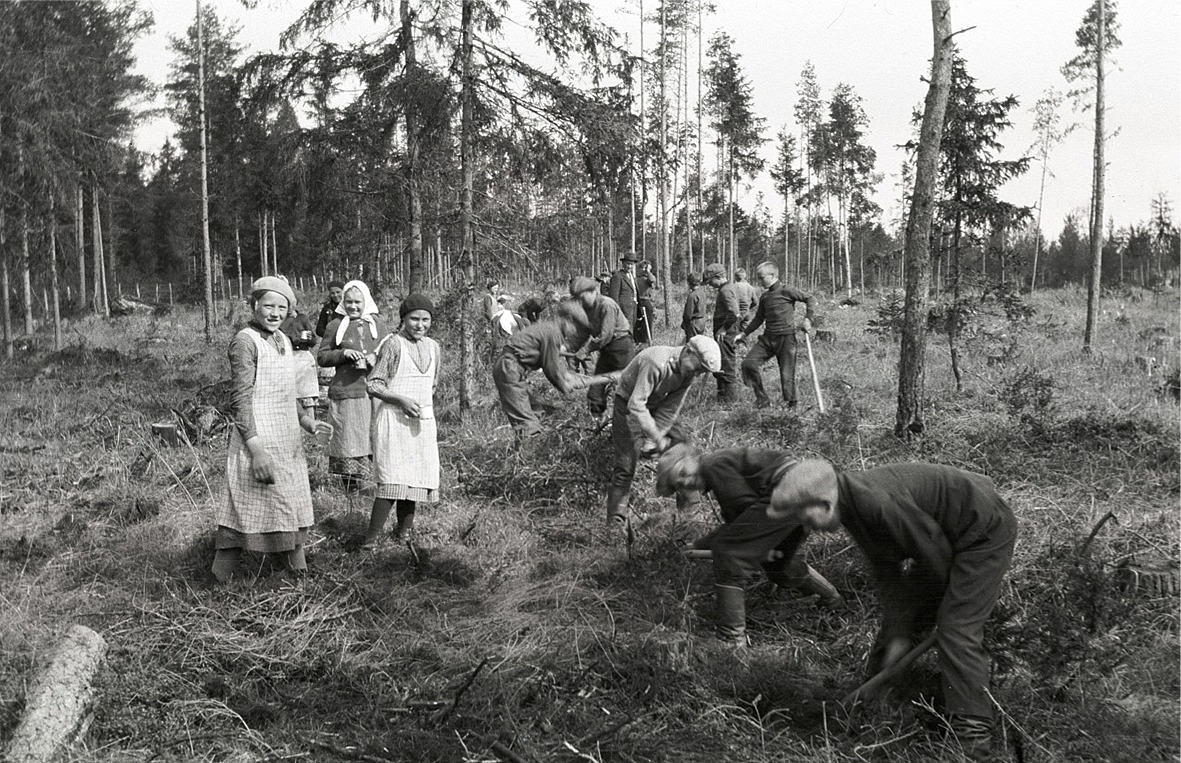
(882, 49)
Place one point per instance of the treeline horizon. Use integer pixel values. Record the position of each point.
(569, 172)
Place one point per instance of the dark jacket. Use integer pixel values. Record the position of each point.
(622, 290)
(777, 308)
(693, 320)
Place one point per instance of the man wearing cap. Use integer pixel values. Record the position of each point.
(623, 287)
(328, 309)
(939, 541)
(743, 480)
(534, 305)
(727, 326)
(646, 417)
(776, 311)
(693, 319)
(610, 336)
(540, 347)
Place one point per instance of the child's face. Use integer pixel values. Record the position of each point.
(416, 324)
(353, 303)
(334, 294)
(270, 310)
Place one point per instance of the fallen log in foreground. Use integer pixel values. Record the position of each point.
(57, 708)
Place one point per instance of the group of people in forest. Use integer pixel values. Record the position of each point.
(939, 540)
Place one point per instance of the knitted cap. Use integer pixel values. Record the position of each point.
(416, 301)
(275, 284)
(713, 269)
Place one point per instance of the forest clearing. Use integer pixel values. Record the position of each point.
(515, 630)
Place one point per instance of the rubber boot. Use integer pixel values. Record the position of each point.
(377, 519)
(974, 733)
(618, 503)
(404, 531)
(296, 560)
(731, 622)
(225, 561)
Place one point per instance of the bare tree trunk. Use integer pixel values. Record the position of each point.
(238, 250)
(57, 310)
(1093, 283)
(101, 302)
(413, 165)
(79, 233)
(467, 317)
(643, 155)
(206, 258)
(26, 276)
(6, 286)
(909, 419)
(274, 244)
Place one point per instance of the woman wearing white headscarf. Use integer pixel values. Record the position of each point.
(350, 345)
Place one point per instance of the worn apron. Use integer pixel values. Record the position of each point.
(286, 505)
(405, 449)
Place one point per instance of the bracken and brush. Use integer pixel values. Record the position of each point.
(517, 628)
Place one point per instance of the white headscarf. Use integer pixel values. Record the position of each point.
(368, 310)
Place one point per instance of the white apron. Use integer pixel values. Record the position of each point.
(405, 449)
(285, 506)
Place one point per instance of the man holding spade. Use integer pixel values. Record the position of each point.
(776, 311)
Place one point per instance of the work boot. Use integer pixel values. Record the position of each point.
(810, 582)
(974, 733)
(731, 615)
(377, 519)
(404, 531)
(618, 503)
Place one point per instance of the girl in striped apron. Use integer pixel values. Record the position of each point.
(268, 502)
(405, 442)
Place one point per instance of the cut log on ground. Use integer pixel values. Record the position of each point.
(57, 708)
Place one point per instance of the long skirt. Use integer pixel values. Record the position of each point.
(350, 449)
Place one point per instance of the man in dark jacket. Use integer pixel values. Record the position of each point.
(939, 541)
(623, 288)
(727, 327)
(776, 311)
(328, 309)
(694, 320)
(742, 480)
(610, 336)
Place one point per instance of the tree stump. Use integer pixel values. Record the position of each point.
(57, 707)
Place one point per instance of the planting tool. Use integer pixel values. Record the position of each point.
(815, 378)
(870, 687)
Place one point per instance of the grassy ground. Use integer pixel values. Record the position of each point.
(518, 629)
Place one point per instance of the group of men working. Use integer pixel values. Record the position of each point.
(939, 540)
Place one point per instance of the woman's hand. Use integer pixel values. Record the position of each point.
(410, 407)
(262, 468)
(353, 355)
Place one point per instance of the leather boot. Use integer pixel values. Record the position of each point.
(974, 734)
(225, 560)
(404, 531)
(731, 622)
(618, 503)
(808, 581)
(377, 519)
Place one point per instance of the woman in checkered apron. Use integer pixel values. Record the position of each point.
(350, 345)
(405, 443)
(268, 502)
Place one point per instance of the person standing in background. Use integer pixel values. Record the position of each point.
(694, 319)
(328, 309)
(727, 326)
(622, 288)
(350, 346)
